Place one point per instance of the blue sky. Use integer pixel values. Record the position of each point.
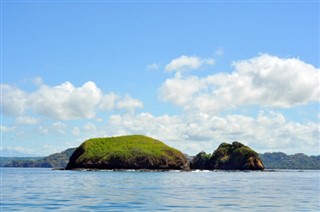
(190, 74)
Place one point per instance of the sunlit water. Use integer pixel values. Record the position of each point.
(45, 189)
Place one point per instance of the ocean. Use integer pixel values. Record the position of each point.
(39, 189)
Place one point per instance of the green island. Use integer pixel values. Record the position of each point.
(235, 156)
(141, 152)
(126, 152)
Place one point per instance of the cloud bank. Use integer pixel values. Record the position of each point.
(268, 131)
(264, 80)
(63, 102)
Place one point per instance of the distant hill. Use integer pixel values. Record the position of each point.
(8, 160)
(279, 160)
(57, 160)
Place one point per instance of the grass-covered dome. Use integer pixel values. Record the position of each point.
(126, 152)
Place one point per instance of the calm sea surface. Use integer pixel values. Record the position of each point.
(44, 189)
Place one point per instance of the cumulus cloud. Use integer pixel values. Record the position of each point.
(264, 80)
(267, 81)
(13, 101)
(66, 101)
(184, 63)
(108, 101)
(165, 127)
(193, 132)
(62, 102)
(278, 82)
(26, 120)
(180, 90)
(130, 104)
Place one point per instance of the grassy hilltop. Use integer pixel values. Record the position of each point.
(127, 152)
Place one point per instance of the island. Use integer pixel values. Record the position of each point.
(127, 152)
(235, 156)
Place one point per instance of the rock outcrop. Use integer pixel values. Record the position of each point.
(200, 161)
(127, 152)
(235, 156)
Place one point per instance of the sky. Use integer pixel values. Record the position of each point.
(191, 74)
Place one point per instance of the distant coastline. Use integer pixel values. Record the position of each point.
(273, 160)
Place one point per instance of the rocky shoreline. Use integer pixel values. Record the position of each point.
(139, 152)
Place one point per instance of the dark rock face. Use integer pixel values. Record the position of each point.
(127, 152)
(200, 161)
(235, 156)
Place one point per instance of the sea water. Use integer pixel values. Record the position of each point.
(24, 189)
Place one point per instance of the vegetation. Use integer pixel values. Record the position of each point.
(57, 160)
(276, 160)
(8, 160)
(200, 161)
(279, 160)
(235, 156)
(134, 151)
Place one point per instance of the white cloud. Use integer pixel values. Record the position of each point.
(62, 102)
(153, 67)
(89, 127)
(26, 120)
(108, 101)
(99, 119)
(184, 63)
(130, 104)
(43, 130)
(59, 127)
(65, 102)
(51, 148)
(4, 128)
(279, 82)
(193, 132)
(166, 128)
(15, 151)
(38, 81)
(180, 90)
(264, 80)
(13, 100)
(76, 131)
